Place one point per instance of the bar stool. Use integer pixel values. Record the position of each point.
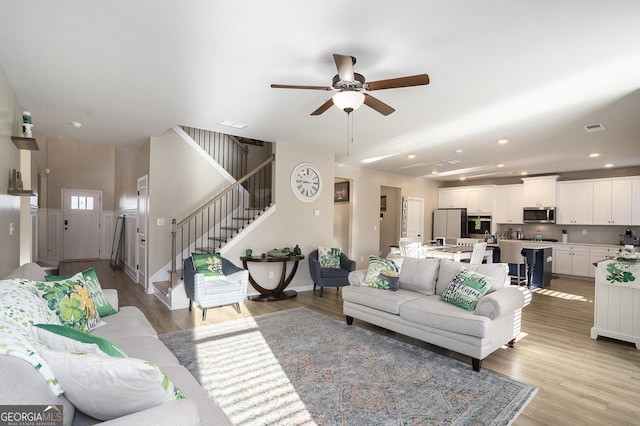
(511, 253)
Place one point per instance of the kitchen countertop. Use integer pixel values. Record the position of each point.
(560, 243)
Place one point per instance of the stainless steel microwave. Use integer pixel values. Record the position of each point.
(539, 215)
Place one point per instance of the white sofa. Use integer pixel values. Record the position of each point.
(416, 310)
(130, 330)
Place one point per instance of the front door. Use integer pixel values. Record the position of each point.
(81, 211)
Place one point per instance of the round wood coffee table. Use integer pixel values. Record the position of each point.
(278, 293)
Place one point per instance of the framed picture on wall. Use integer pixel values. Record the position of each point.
(341, 192)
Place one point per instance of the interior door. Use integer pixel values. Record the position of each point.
(141, 232)
(81, 213)
(415, 218)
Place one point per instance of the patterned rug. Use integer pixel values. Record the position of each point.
(300, 367)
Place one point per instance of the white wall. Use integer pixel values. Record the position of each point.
(9, 160)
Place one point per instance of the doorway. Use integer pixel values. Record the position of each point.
(81, 212)
(414, 216)
(141, 232)
(389, 219)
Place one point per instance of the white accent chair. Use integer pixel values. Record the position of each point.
(211, 294)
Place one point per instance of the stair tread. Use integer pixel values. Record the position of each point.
(162, 286)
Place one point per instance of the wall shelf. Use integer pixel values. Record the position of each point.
(21, 192)
(25, 143)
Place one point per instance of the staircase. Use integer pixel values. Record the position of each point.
(222, 218)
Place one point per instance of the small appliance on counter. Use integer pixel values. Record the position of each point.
(630, 238)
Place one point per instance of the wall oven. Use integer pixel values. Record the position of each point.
(478, 225)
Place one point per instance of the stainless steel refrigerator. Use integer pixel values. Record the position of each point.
(450, 223)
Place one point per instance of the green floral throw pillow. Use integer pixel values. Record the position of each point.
(71, 302)
(209, 264)
(329, 257)
(466, 288)
(381, 274)
(95, 291)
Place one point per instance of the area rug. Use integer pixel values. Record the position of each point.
(300, 367)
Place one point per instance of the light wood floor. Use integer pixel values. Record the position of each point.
(580, 381)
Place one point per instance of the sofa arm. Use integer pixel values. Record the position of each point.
(181, 412)
(112, 297)
(500, 302)
(356, 278)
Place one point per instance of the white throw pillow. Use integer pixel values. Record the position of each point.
(105, 387)
(66, 339)
(498, 272)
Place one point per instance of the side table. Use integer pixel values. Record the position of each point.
(278, 293)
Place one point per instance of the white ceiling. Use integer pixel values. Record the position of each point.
(533, 72)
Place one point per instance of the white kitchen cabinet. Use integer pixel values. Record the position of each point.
(612, 202)
(598, 253)
(635, 202)
(540, 191)
(571, 260)
(508, 204)
(575, 203)
(479, 199)
(452, 198)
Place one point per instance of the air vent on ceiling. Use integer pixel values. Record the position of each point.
(598, 127)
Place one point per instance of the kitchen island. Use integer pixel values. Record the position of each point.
(539, 262)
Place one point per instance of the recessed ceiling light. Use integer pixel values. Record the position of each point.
(76, 124)
(434, 172)
(524, 173)
(458, 151)
(608, 165)
(463, 178)
(500, 165)
(411, 156)
(234, 124)
(503, 141)
(594, 155)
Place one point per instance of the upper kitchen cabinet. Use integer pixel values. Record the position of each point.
(575, 203)
(508, 204)
(540, 191)
(635, 202)
(480, 199)
(612, 201)
(452, 198)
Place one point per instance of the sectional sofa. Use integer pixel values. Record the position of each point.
(130, 331)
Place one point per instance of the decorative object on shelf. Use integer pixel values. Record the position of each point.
(306, 183)
(16, 181)
(341, 192)
(297, 251)
(248, 252)
(27, 125)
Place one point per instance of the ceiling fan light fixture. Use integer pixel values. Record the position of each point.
(348, 100)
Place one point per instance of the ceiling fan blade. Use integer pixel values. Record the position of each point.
(344, 64)
(292, 86)
(377, 104)
(393, 83)
(325, 106)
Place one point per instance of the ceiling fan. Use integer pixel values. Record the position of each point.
(351, 87)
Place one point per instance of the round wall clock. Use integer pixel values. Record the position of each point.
(306, 183)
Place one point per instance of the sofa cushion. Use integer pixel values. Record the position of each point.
(130, 322)
(105, 387)
(329, 257)
(95, 291)
(334, 273)
(65, 339)
(498, 272)
(150, 349)
(419, 275)
(29, 271)
(387, 301)
(465, 289)
(432, 312)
